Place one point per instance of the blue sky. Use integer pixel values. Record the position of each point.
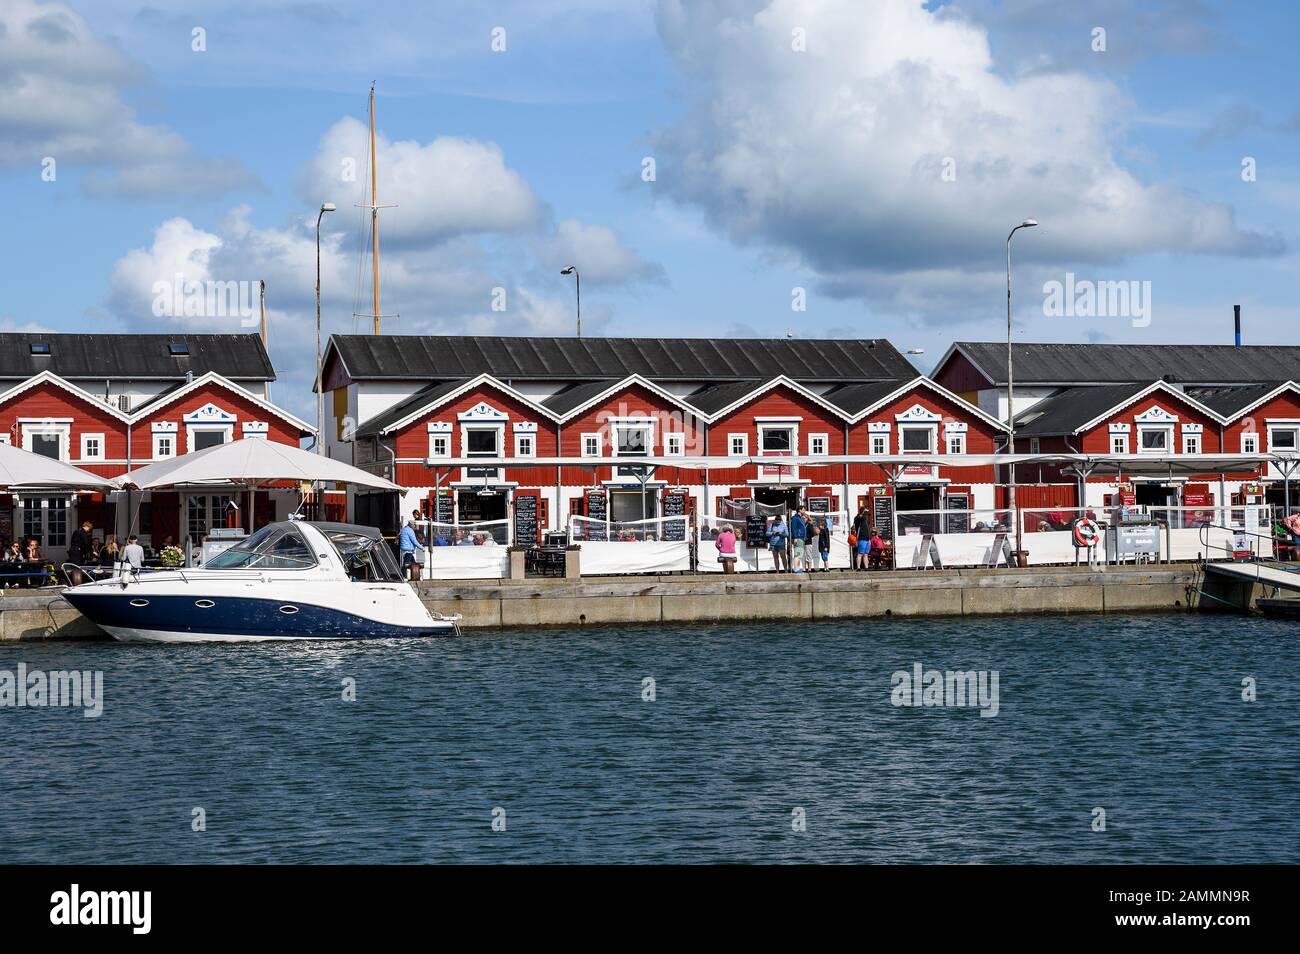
(777, 167)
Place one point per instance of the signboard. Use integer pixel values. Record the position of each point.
(1203, 506)
(1132, 541)
(444, 507)
(675, 506)
(959, 521)
(525, 520)
(756, 530)
(819, 504)
(597, 506)
(778, 471)
(882, 513)
(1241, 548)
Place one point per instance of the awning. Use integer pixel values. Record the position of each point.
(21, 468)
(251, 461)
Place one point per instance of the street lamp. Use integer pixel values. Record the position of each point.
(577, 284)
(320, 397)
(1011, 411)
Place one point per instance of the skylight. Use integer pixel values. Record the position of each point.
(178, 348)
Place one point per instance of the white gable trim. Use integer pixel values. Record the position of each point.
(213, 378)
(626, 382)
(1284, 386)
(762, 389)
(464, 388)
(49, 377)
(1153, 387)
(939, 389)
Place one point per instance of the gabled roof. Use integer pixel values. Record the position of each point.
(49, 377)
(434, 396)
(1061, 365)
(709, 400)
(1072, 410)
(172, 395)
(139, 357)
(581, 397)
(743, 392)
(870, 398)
(1230, 402)
(442, 357)
(855, 398)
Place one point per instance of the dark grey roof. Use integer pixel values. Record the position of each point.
(566, 400)
(133, 356)
(661, 359)
(419, 399)
(1083, 364)
(162, 395)
(1070, 408)
(715, 397)
(852, 398)
(1227, 401)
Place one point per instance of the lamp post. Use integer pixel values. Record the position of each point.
(320, 397)
(1011, 412)
(577, 285)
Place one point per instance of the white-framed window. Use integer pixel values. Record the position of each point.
(738, 445)
(1250, 442)
(1191, 443)
(203, 436)
(879, 445)
(674, 444)
(482, 440)
(777, 439)
(1119, 443)
(92, 446)
(164, 446)
(916, 439)
(957, 444)
(525, 445)
(591, 444)
(47, 438)
(633, 438)
(440, 444)
(1155, 439)
(1284, 438)
(819, 445)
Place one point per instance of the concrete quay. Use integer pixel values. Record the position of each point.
(592, 601)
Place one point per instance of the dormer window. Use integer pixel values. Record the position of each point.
(40, 347)
(178, 348)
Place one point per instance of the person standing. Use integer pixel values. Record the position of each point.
(798, 537)
(79, 549)
(133, 553)
(877, 548)
(726, 544)
(408, 542)
(776, 542)
(810, 544)
(824, 544)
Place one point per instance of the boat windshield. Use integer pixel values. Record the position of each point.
(368, 559)
(271, 548)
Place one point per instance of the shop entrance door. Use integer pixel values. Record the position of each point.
(788, 497)
(914, 499)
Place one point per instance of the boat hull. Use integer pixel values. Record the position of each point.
(135, 616)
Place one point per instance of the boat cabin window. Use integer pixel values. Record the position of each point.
(271, 548)
(368, 559)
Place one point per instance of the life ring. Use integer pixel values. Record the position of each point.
(1086, 532)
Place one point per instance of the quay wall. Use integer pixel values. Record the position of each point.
(715, 598)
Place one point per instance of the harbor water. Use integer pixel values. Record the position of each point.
(1118, 739)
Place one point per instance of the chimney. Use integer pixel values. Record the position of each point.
(1236, 318)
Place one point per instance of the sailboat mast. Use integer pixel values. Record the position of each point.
(374, 209)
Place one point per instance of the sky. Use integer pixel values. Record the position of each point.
(735, 168)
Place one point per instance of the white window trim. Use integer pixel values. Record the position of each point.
(1189, 440)
(85, 439)
(465, 431)
(675, 444)
(1250, 437)
(785, 424)
(931, 429)
(825, 438)
(1293, 426)
(883, 438)
(227, 432)
(645, 424)
(957, 442)
(531, 438)
(445, 437)
(63, 430)
(731, 445)
(1166, 429)
(585, 438)
(161, 436)
(1122, 440)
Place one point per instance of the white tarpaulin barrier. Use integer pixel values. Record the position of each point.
(487, 562)
(609, 547)
(756, 559)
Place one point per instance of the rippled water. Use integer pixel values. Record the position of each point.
(1141, 716)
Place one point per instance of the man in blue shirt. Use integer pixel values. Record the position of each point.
(776, 540)
(409, 544)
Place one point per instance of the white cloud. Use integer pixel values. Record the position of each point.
(836, 156)
(599, 254)
(61, 96)
(443, 188)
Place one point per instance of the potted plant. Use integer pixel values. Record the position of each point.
(172, 556)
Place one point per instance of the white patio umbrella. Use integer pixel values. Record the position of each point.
(20, 468)
(248, 462)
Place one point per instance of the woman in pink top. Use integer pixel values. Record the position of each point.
(726, 544)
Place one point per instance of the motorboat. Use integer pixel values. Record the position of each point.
(290, 580)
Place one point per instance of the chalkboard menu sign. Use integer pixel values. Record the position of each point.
(882, 515)
(525, 520)
(596, 506)
(755, 530)
(675, 506)
(444, 508)
(958, 522)
(819, 504)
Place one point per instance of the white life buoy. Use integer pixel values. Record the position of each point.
(1086, 532)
